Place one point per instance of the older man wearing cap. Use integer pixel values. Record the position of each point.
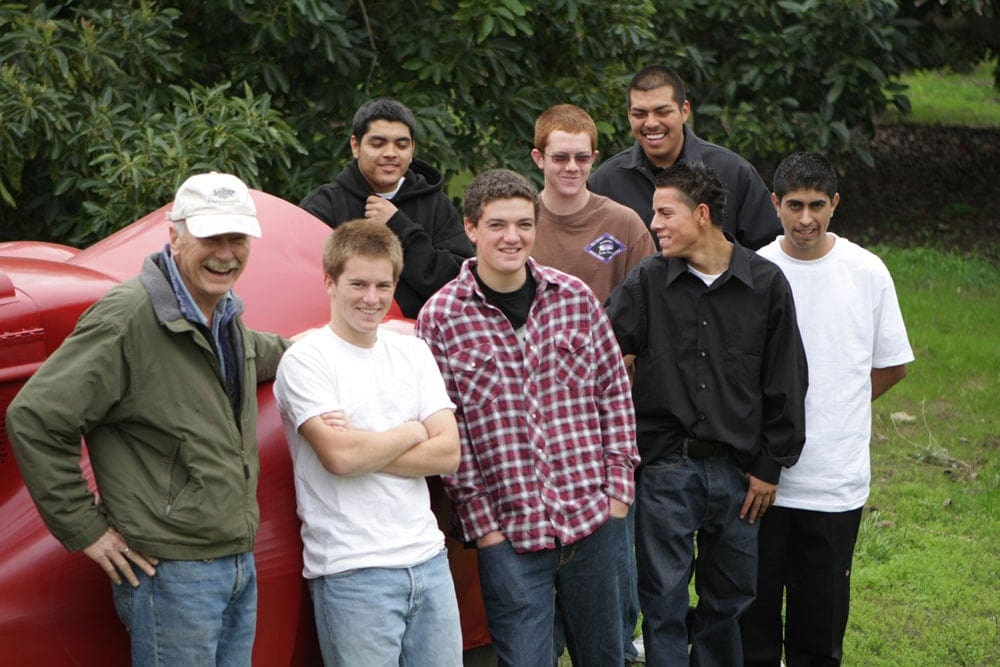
(160, 377)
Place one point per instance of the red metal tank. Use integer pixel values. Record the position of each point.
(55, 606)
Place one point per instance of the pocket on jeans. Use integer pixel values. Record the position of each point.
(668, 463)
(492, 547)
(345, 574)
(122, 595)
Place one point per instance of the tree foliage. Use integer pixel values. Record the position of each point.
(956, 33)
(770, 77)
(106, 107)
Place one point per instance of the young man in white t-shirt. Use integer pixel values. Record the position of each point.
(857, 348)
(367, 417)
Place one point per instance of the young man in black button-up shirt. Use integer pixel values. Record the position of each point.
(720, 382)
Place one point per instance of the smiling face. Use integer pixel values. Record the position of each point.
(504, 237)
(805, 215)
(566, 163)
(677, 225)
(384, 154)
(657, 122)
(359, 298)
(209, 266)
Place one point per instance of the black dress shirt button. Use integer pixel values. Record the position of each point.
(703, 354)
(702, 387)
(704, 323)
(701, 417)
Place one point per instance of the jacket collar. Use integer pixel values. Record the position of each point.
(691, 151)
(166, 302)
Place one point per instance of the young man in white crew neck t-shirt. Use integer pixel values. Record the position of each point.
(367, 417)
(857, 349)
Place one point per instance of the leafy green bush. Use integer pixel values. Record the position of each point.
(957, 34)
(104, 110)
(92, 134)
(770, 77)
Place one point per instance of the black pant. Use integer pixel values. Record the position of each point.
(806, 556)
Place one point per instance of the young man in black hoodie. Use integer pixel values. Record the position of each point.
(385, 184)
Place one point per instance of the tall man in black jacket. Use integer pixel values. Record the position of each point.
(385, 184)
(719, 394)
(658, 110)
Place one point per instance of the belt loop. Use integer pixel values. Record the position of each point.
(684, 448)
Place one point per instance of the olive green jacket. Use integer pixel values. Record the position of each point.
(176, 470)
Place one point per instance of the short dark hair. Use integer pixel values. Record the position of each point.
(382, 108)
(805, 171)
(657, 76)
(495, 184)
(699, 184)
(361, 238)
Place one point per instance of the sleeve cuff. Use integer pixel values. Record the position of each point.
(475, 518)
(96, 526)
(764, 468)
(619, 483)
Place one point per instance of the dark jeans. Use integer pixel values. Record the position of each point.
(519, 592)
(630, 594)
(805, 557)
(681, 500)
(629, 597)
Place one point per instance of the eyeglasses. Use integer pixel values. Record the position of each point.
(563, 158)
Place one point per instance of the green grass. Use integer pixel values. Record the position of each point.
(942, 97)
(927, 567)
(926, 581)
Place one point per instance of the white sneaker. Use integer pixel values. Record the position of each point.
(640, 651)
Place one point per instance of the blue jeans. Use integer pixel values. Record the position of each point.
(629, 598)
(382, 617)
(519, 592)
(679, 499)
(193, 613)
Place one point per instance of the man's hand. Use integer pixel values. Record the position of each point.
(619, 510)
(112, 553)
(337, 419)
(760, 496)
(629, 360)
(379, 209)
(489, 539)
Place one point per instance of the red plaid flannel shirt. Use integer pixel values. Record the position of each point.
(547, 423)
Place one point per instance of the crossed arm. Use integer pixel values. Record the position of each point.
(412, 449)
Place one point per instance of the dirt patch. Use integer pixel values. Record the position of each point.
(930, 186)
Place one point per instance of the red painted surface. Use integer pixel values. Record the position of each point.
(55, 606)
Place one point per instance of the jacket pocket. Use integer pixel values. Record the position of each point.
(180, 478)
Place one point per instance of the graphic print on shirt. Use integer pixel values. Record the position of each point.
(605, 247)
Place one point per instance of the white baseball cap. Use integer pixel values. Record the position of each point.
(212, 204)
